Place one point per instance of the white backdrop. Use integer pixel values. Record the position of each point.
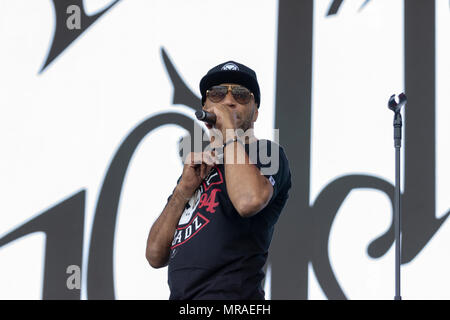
(60, 129)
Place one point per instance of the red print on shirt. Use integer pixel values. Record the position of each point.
(214, 178)
(209, 201)
(192, 221)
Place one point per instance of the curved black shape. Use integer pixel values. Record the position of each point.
(181, 93)
(324, 211)
(100, 276)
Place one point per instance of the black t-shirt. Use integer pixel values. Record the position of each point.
(217, 254)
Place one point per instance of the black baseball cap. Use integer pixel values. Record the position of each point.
(231, 72)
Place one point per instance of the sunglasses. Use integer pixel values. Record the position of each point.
(241, 94)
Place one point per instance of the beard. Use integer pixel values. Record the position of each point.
(246, 124)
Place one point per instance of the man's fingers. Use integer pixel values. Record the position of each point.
(195, 158)
(212, 158)
(208, 159)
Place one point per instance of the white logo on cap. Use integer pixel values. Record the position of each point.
(230, 66)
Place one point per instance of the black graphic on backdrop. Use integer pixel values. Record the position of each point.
(63, 225)
(100, 264)
(302, 234)
(64, 36)
(303, 231)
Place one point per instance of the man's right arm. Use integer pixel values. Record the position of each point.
(161, 233)
(196, 167)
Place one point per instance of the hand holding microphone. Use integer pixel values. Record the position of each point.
(221, 118)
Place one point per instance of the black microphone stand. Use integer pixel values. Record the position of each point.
(396, 107)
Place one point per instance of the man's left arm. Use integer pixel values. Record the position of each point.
(248, 189)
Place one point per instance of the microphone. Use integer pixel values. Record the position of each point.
(205, 116)
(396, 106)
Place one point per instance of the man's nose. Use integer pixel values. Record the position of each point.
(229, 99)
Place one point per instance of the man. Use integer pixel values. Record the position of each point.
(215, 230)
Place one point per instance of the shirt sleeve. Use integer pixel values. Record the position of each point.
(273, 164)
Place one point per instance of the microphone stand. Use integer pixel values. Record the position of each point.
(396, 107)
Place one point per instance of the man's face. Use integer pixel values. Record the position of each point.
(246, 114)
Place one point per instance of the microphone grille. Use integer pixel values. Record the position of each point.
(200, 114)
